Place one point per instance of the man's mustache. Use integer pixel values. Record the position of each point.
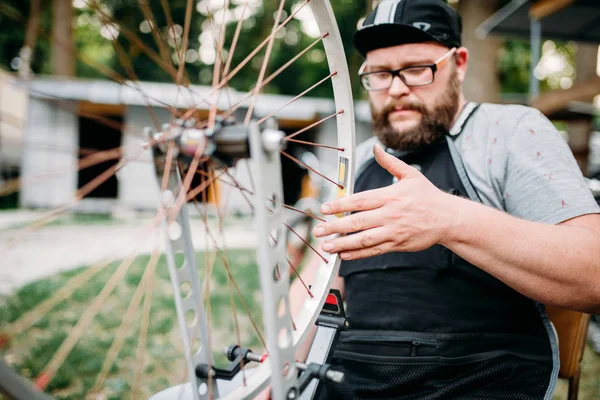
(389, 108)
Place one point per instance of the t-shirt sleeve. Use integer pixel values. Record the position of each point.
(543, 182)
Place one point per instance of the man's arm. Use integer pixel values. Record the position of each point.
(557, 265)
(554, 264)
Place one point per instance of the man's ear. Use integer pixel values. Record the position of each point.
(462, 60)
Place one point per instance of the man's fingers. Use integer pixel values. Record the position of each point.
(366, 239)
(348, 224)
(362, 201)
(392, 164)
(373, 251)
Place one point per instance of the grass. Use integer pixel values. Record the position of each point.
(28, 352)
(589, 384)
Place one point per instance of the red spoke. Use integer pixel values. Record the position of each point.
(260, 46)
(306, 243)
(263, 67)
(312, 125)
(260, 121)
(310, 168)
(304, 212)
(299, 277)
(316, 144)
(272, 76)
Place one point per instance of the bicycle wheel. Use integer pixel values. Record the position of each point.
(103, 330)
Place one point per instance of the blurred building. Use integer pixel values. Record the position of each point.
(69, 119)
(13, 114)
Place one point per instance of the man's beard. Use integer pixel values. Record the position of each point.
(435, 121)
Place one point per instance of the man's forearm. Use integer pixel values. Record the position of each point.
(553, 264)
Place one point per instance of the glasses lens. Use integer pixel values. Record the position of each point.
(417, 76)
(376, 80)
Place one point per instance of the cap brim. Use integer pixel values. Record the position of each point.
(388, 35)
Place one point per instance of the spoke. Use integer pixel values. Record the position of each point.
(160, 43)
(126, 63)
(14, 185)
(197, 190)
(268, 80)
(80, 194)
(248, 58)
(57, 360)
(134, 39)
(243, 301)
(297, 97)
(300, 278)
(128, 317)
(169, 161)
(315, 144)
(306, 243)
(106, 71)
(312, 125)
(143, 335)
(186, 35)
(236, 35)
(311, 169)
(304, 212)
(263, 67)
(217, 67)
(260, 46)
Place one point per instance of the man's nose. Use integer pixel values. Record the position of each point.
(398, 87)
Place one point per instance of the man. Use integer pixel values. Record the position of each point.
(472, 217)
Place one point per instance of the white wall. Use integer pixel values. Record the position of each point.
(13, 109)
(50, 159)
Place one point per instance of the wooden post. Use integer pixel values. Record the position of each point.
(482, 83)
(63, 48)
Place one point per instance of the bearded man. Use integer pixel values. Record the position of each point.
(466, 219)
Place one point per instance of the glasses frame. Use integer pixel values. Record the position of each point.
(436, 66)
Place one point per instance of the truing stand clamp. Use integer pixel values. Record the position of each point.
(331, 321)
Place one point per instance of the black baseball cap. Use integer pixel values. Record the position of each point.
(395, 22)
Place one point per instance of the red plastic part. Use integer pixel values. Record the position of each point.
(331, 299)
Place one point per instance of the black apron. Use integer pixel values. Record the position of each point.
(430, 325)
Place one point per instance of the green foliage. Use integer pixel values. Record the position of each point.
(513, 66)
(95, 51)
(29, 352)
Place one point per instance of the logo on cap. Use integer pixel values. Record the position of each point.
(424, 26)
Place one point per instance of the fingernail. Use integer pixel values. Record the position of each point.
(327, 246)
(345, 256)
(325, 209)
(319, 230)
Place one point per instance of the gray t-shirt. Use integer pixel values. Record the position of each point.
(518, 162)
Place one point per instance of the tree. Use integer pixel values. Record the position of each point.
(482, 83)
(63, 50)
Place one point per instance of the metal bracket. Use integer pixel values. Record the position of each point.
(181, 259)
(273, 267)
(330, 323)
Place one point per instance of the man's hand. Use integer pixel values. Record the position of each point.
(411, 215)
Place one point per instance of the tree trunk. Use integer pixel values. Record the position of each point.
(482, 83)
(63, 48)
(31, 34)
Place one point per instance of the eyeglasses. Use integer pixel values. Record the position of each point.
(415, 75)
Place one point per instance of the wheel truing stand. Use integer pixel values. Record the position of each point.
(223, 145)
